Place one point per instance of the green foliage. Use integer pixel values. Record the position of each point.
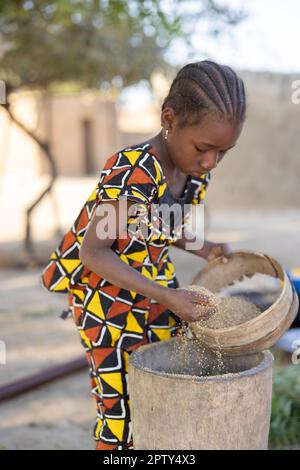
(92, 41)
(285, 419)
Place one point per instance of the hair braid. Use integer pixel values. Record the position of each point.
(203, 87)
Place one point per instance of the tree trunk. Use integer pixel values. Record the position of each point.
(45, 146)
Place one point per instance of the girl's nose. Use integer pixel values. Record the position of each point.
(210, 160)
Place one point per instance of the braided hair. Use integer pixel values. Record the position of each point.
(203, 87)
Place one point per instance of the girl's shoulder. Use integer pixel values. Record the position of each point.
(133, 172)
(135, 157)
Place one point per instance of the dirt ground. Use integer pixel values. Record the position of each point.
(55, 416)
(61, 415)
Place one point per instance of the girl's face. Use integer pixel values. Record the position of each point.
(197, 149)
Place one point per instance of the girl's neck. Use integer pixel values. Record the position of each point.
(174, 177)
(159, 143)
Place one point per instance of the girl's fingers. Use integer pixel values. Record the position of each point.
(197, 297)
(219, 250)
(205, 311)
(205, 318)
(205, 315)
(214, 253)
(202, 299)
(227, 252)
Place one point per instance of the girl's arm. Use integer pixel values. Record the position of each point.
(97, 255)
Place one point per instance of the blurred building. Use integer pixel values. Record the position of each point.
(85, 129)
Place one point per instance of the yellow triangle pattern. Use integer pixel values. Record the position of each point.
(95, 306)
(133, 294)
(114, 379)
(132, 156)
(98, 427)
(115, 333)
(146, 273)
(132, 324)
(161, 189)
(79, 293)
(117, 427)
(70, 264)
(138, 256)
(163, 282)
(63, 284)
(85, 338)
(154, 271)
(168, 274)
(124, 258)
(158, 176)
(113, 193)
(202, 192)
(162, 334)
(94, 194)
(170, 267)
(126, 360)
(139, 195)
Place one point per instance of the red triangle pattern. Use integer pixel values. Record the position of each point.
(139, 176)
(155, 311)
(69, 239)
(100, 354)
(113, 291)
(48, 274)
(142, 303)
(114, 173)
(117, 308)
(154, 252)
(93, 333)
(111, 161)
(83, 221)
(94, 280)
(109, 403)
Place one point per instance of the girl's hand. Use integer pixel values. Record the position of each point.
(211, 251)
(189, 305)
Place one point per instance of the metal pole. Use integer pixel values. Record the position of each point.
(33, 381)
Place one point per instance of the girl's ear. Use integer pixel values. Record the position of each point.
(168, 117)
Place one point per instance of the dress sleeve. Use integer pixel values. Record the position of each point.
(132, 174)
(201, 188)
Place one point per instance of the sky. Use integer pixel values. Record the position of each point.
(268, 40)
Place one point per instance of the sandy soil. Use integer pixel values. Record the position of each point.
(56, 416)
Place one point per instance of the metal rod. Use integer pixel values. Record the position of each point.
(18, 387)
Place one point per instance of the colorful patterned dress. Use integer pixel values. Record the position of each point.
(111, 321)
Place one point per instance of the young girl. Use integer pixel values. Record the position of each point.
(122, 288)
